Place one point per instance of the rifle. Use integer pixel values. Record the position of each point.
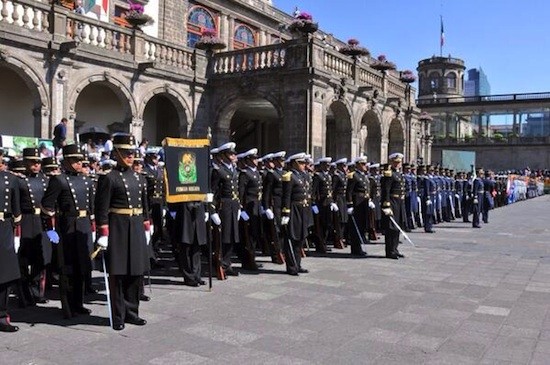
(216, 240)
(372, 223)
(320, 241)
(337, 230)
(274, 238)
(249, 249)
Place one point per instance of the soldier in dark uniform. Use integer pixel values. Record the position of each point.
(339, 183)
(250, 196)
(467, 198)
(409, 198)
(477, 198)
(50, 166)
(296, 212)
(393, 204)
(225, 187)
(68, 202)
(36, 248)
(358, 202)
(323, 204)
(155, 186)
(374, 176)
(272, 202)
(489, 192)
(459, 192)
(428, 195)
(121, 211)
(10, 218)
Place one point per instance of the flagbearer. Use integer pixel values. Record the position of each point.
(121, 211)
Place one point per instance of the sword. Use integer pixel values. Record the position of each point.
(451, 198)
(106, 277)
(420, 212)
(401, 230)
(357, 230)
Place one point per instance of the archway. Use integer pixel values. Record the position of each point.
(20, 104)
(338, 131)
(163, 116)
(101, 105)
(254, 123)
(371, 134)
(396, 137)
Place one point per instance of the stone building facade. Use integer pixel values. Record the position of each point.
(270, 88)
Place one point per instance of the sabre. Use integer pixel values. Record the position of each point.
(357, 230)
(420, 212)
(401, 230)
(452, 206)
(106, 277)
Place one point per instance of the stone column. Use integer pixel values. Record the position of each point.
(384, 144)
(224, 28)
(136, 128)
(230, 31)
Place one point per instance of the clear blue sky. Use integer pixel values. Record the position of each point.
(508, 39)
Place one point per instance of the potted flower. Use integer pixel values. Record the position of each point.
(407, 77)
(382, 64)
(210, 41)
(135, 16)
(303, 23)
(424, 116)
(353, 49)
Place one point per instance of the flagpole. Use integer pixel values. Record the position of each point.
(441, 37)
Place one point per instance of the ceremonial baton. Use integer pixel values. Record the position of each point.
(400, 230)
(357, 229)
(107, 290)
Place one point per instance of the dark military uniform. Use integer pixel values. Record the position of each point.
(489, 186)
(225, 187)
(339, 183)
(72, 194)
(189, 236)
(155, 193)
(273, 199)
(477, 200)
(358, 196)
(121, 203)
(36, 249)
(296, 206)
(322, 197)
(250, 195)
(392, 196)
(10, 215)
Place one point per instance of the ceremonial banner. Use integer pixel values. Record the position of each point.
(186, 173)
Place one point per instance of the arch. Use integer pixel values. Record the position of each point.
(450, 80)
(338, 130)
(243, 37)
(199, 19)
(113, 83)
(251, 122)
(371, 136)
(163, 118)
(396, 136)
(434, 80)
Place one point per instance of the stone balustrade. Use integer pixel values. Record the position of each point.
(27, 14)
(250, 59)
(167, 54)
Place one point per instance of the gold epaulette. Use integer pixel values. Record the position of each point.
(350, 175)
(287, 176)
(388, 173)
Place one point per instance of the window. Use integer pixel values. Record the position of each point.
(244, 37)
(199, 19)
(434, 80)
(451, 80)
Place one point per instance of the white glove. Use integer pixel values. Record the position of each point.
(244, 216)
(209, 197)
(164, 213)
(315, 209)
(206, 216)
(428, 202)
(151, 229)
(262, 210)
(457, 196)
(16, 243)
(173, 215)
(269, 214)
(371, 204)
(216, 219)
(350, 210)
(103, 242)
(285, 220)
(387, 211)
(476, 201)
(334, 207)
(94, 235)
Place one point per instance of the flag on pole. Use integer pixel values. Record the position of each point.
(442, 35)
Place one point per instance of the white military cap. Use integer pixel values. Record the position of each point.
(279, 155)
(297, 157)
(152, 151)
(360, 159)
(341, 161)
(239, 155)
(214, 151)
(396, 156)
(267, 157)
(324, 159)
(250, 153)
(108, 162)
(227, 147)
(374, 165)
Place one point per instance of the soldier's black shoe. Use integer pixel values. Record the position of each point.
(82, 310)
(136, 321)
(191, 283)
(429, 231)
(41, 300)
(231, 272)
(6, 327)
(399, 254)
(477, 226)
(90, 290)
(393, 257)
(144, 298)
(359, 254)
(292, 272)
(118, 327)
(201, 282)
(303, 271)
